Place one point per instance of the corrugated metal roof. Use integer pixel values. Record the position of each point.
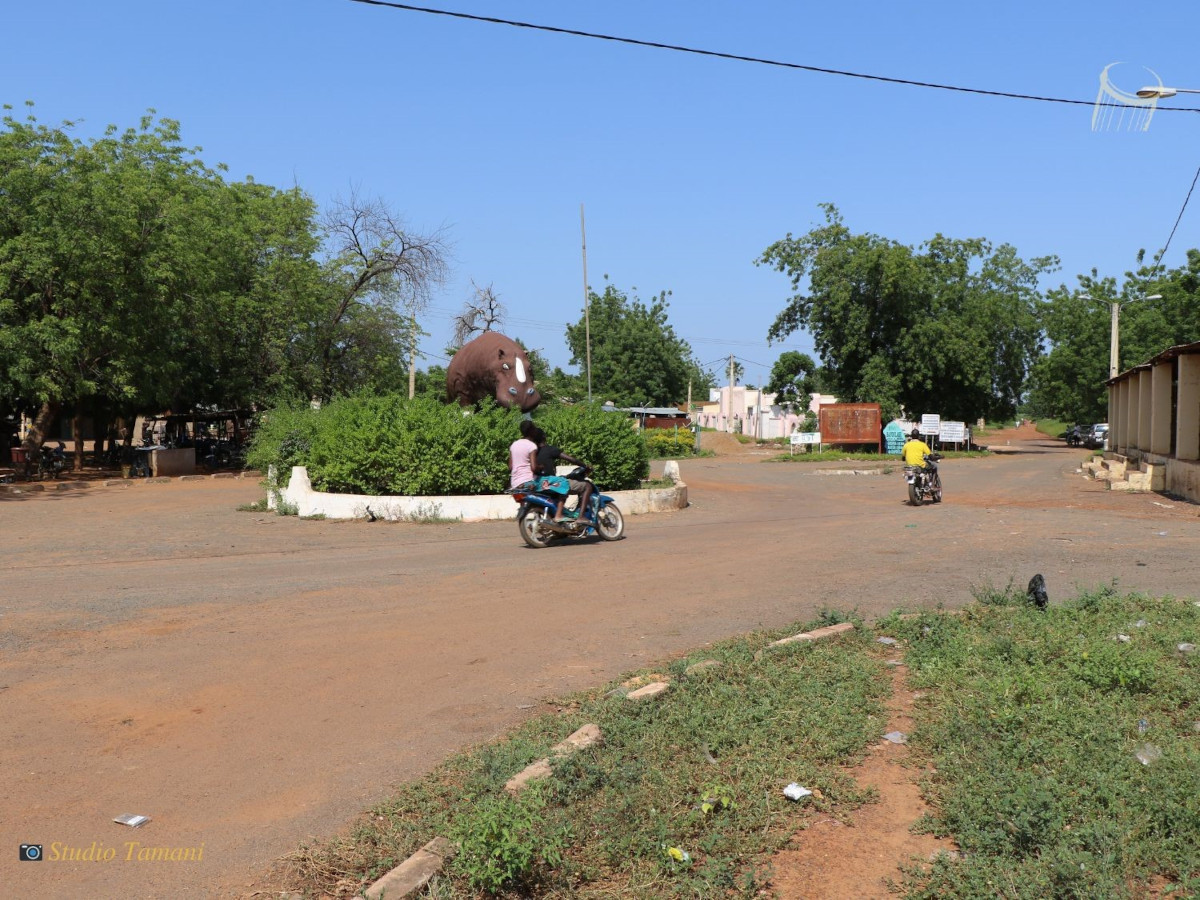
(1169, 353)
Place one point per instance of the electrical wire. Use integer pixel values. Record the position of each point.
(736, 57)
(1178, 218)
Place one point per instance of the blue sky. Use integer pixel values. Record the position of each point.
(688, 167)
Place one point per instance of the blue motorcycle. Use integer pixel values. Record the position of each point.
(535, 518)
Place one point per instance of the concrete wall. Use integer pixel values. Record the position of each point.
(300, 494)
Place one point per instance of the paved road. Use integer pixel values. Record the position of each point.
(250, 681)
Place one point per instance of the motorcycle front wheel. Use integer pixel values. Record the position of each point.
(531, 524)
(610, 524)
(937, 489)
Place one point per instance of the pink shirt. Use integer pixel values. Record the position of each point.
(519, 461)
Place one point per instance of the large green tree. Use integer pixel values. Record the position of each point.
(947, 327)
(1068, 383)
(134, 278)
(636, 356)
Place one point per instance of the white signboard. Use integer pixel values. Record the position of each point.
(806, 437)
(953, 432)
(931, 424)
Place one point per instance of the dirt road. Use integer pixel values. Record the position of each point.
(249, 681)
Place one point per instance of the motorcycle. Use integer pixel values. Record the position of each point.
(51, 461)
(535, 518)
(924, 482)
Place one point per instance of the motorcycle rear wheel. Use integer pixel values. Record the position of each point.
(531, 524)
(610, 524)
(914, 494)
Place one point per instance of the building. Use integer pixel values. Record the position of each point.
(1154, 419)
(743, 410)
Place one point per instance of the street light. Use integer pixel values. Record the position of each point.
(1162, 93)
(1115, 339)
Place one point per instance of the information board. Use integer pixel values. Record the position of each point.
(806, 437)
(931, 425)
(953, 432)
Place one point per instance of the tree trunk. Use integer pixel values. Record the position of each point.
(77, 437)
(42, 424)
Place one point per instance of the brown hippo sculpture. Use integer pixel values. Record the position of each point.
(492, 365)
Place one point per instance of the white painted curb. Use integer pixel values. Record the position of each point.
(308, 502)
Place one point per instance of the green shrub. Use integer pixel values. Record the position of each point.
(504, 841)
(606, 441)
(422, 447)
(666, 443)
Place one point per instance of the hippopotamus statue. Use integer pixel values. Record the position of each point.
(492, 365)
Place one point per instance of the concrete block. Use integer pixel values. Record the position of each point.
(819, 634)
(650, 690)
(1157, 475)
(415, 872)
(250, 473)
(224, 475)
(193, 477)
(586, 736)
(1119, 486)
(1138, 481)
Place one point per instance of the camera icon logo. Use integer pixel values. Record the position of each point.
(31, 853)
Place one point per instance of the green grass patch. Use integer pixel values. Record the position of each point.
(682, 799)
(1034, 725)
(1053, 427)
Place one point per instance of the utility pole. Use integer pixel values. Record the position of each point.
(729, 405)
(587, 322)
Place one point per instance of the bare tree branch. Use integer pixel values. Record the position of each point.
(482, 313)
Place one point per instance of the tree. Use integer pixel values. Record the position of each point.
(949, 326)
(1068, 383)
(636, 357)
(378, 275)
(120, 259)
(792, 380)
(481, 313)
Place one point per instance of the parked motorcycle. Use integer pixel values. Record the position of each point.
(535, 518)
(51, 461)
(924, 483)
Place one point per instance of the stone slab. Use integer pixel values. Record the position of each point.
(651, 690)
(586, 736)
(819, 634)
(415, 872)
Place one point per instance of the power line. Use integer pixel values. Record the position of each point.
(753, 59)
(1178, 218)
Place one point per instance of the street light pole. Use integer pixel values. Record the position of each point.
(1115, 336)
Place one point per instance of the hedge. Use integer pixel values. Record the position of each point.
(422, 447)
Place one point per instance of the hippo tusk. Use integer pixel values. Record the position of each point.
(520, 371)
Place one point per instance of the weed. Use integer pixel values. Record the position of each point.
(259, 505)
(504, 840)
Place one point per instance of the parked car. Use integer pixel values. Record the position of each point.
(1097, 437)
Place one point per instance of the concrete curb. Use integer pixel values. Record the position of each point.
(299, 494)
(415, 872)
(819, 634)
(587, 736)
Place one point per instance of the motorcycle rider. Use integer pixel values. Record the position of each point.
(915, 450)
(547, 458)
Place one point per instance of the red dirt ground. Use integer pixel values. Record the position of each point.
(253, 682)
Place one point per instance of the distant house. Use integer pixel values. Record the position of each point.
(654, 416)
(739, 411)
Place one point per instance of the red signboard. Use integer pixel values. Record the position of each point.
(851, 423)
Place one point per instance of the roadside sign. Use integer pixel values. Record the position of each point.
(931, 425)
(953, 432)
(801, 438)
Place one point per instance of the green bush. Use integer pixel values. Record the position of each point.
(423, 447)
(606, 441)
(667, 443)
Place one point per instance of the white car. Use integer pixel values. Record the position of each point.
(1098, 436)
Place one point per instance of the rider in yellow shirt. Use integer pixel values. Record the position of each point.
(915, 449)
